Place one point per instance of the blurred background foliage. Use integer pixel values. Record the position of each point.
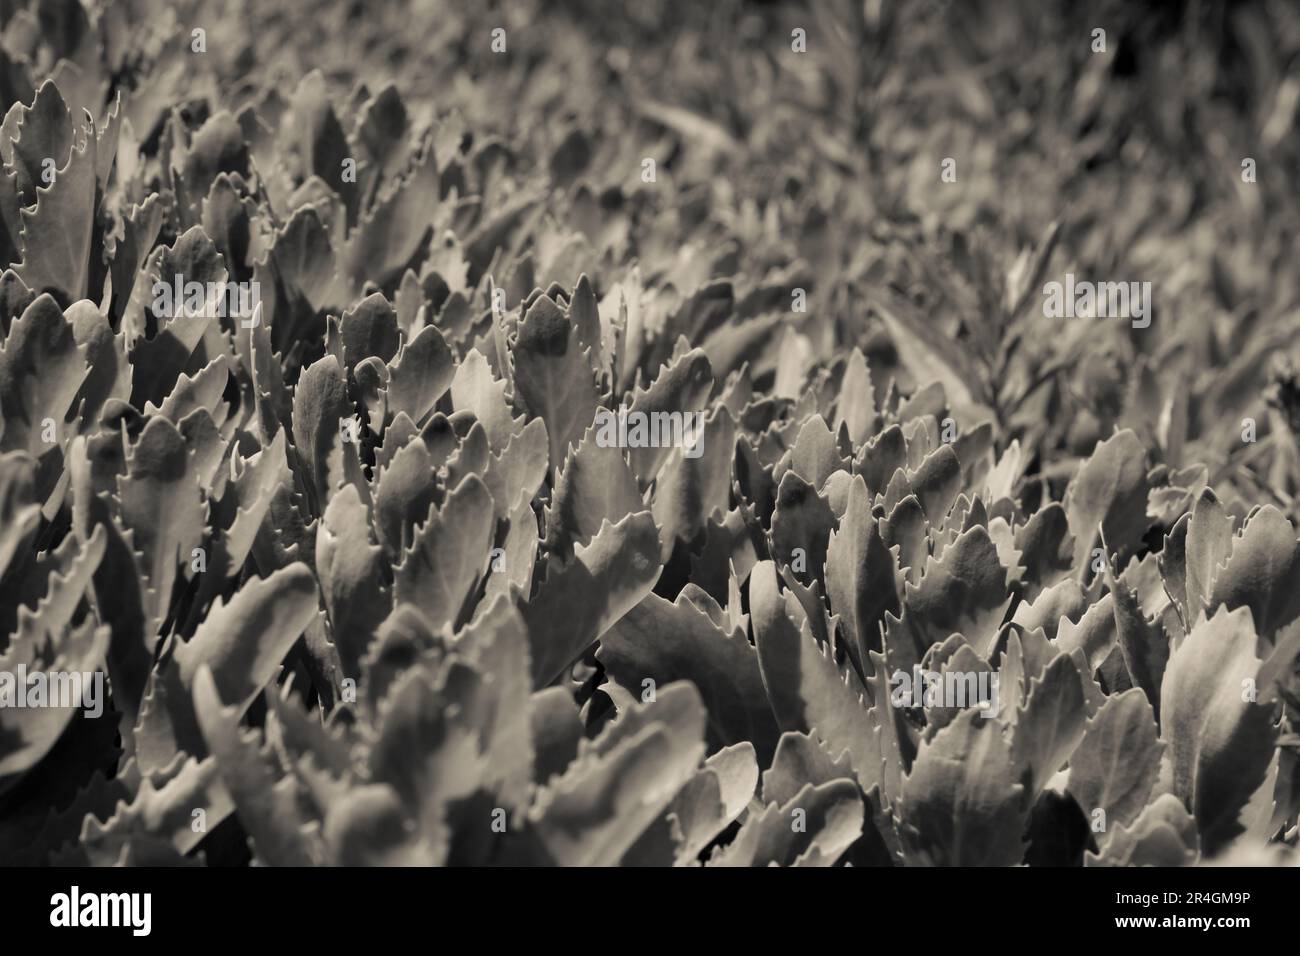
(832, 157)
(1117, 165)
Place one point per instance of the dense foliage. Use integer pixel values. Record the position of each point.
(370, 588)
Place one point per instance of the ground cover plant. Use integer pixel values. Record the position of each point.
(683, 434)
